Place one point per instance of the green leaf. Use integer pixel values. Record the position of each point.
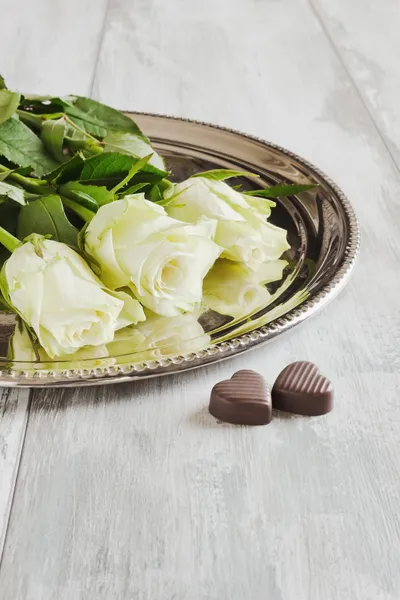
(222, 174)
(106, 165)
(8, 104)
(110, 167)
(133, 189)
(98, 119)
(282, 190)
(11, 192)
(90, 196)
(68, 171)
(53, 132)
(46, 216)
(73, 132)
(2, 83)
(22, 147)
(128, 143)
(132, 171)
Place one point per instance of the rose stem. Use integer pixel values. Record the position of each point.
(8, 240)
(82, 212)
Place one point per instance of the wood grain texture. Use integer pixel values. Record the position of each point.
(49, 48)
(366, 35)
(134, 491)
(13, 417)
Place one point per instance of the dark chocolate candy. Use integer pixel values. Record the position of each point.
(301, 389)
(245, 399)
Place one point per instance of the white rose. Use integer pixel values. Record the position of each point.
(163, 261)
(128, 143)
(242, 229)
(23, 348)
(159, 337)
(52, 288)
(233, 289)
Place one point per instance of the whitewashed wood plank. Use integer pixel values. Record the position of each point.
(366, 35)
(135, 491)
(51, 47)
(13, 418)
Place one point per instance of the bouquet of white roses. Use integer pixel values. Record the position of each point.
(101, 246)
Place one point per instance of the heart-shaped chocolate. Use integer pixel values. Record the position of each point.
(301, 389)
(245, 399)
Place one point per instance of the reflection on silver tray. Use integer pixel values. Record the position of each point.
(322, 232)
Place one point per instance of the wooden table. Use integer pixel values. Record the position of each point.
(134, 491)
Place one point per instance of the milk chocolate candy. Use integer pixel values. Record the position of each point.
(301, 389)
(245, 399)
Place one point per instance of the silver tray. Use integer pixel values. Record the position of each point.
(322, 231)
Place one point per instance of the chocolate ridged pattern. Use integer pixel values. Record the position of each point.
(302, 389)
(303, 376)
(245, 399)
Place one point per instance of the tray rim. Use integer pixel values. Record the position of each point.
(223, 350)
